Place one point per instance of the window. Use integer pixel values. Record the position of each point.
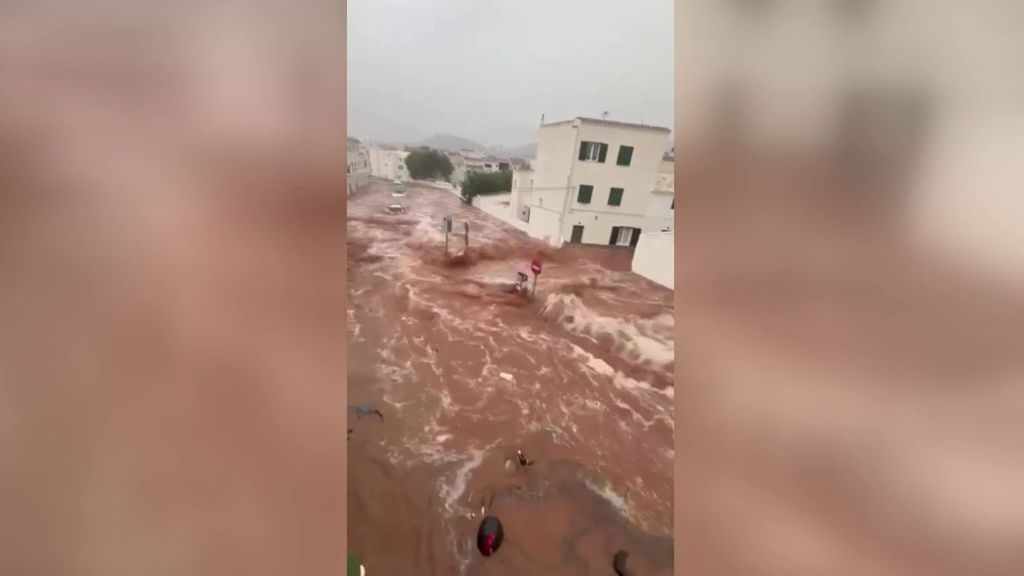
(625, 156)
(673, 206)
(622, 236)
(586, 191)
(593, 151)
(615, 197)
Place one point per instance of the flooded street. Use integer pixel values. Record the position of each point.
(465, 373)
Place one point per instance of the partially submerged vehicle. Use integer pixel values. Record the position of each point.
(394, 209)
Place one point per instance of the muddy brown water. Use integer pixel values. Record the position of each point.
(579, 377)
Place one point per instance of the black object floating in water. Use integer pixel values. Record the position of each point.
(619, 563)
(489, 536)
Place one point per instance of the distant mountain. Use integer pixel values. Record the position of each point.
(523, 151)
(452, 143)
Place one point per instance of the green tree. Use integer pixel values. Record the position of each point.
(485, 183)
(427, 164)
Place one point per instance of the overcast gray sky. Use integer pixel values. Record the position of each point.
(487, 69)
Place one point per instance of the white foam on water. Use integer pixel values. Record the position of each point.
(445, 400)
(652, 396)
(618, 501)
(452, 490)
(627, 383)
(354, 325)
(429, 452)
(506, 376)
(600, 366)
(633, 335)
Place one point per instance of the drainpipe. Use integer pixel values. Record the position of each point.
(568, 183)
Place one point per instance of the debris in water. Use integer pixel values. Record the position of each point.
(355, 567)
(364, 411)
(523, 460)
(507, 376)
(619, 562)
(489, 536)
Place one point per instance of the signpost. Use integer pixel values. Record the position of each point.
(446, 227)
(447, 224)
(535, 267)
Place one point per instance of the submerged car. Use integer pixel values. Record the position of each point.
(393, 209)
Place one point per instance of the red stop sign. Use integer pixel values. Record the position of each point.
(535, 267)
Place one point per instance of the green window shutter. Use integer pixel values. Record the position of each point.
(586, 191)
(625, 156)
(583, 150)
(602, 152)
(615, 197)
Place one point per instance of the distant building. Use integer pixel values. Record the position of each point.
(487, 164)
(358, 164)
(388, 163)
(520, 164)
(595, 182)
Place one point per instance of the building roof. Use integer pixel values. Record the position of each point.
(611, 123)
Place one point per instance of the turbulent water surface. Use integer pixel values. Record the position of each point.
(579, 377)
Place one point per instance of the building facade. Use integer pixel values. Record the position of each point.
(593, 182)
(654, 258)
(358, 164)
(388, 163)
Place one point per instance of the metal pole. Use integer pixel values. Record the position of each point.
(534, 292)
(467, 236)
(446, 244)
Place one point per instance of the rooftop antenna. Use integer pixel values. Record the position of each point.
(604, 115)
(541, 119)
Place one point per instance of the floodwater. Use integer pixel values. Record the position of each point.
(579, 377)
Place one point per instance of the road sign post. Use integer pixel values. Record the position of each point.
(535, 267)
(446, 227)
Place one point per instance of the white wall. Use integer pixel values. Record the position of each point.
(544, 224)
(522, 184)
(499, 206)
(660, 213)
(388, 164)
(556, 151)
(654, 258)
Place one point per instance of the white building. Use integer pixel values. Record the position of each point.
(661, 209)
(654, 258)
(388, 163)
(358, 164)
(594, 182)
(487, 164)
